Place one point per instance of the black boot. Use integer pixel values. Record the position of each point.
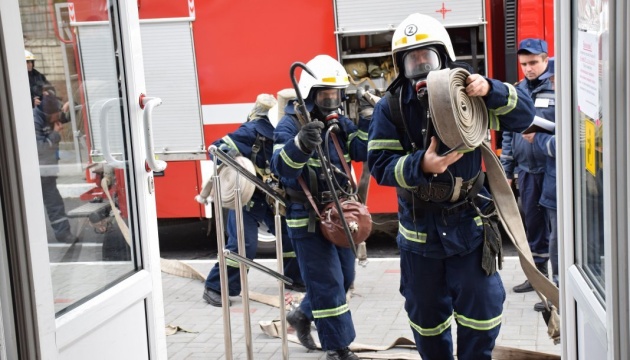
(523, 288)
(213, 298)
(302, 325)
(342, 354)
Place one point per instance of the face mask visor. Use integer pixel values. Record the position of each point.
(419, 62)
(328, 99)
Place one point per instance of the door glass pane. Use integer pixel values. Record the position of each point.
(588, 127)
(76, 90)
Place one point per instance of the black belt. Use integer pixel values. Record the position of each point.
(321, 198)
(439, 194)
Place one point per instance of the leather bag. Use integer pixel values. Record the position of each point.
(356, 213)
(357, 217)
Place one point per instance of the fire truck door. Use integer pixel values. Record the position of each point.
(87, 275)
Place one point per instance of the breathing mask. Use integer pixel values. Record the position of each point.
(417, 64)
(327, 102)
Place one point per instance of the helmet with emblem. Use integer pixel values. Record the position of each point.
(329, 74)
(420, 44)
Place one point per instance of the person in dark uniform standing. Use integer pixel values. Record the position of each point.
(48, 124)
(545, 143)
(36, 80)
(253, 140)
(441, 241)
(518, 155)
(328, 270)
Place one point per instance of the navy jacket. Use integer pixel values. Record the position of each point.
(242, 141)
(518, 154)
(47, 144)
(290, 162)
(392, 163)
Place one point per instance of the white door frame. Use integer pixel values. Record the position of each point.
(588, 325)
(40, 334)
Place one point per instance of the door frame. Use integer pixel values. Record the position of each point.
(607, 324)
(38, 334)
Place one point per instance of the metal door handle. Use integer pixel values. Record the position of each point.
(149, 103)
(107, 154)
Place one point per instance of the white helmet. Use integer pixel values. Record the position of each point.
(419, 30)
(330, 74)
(29, 55)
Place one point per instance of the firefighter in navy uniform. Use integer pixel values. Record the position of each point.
(440, 241)
(519, 156)
(328, 270)
(253, 140)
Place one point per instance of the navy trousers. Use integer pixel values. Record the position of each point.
(437, 291)
(259, 211)
(328, 271)
(55, 208)
(530, 189)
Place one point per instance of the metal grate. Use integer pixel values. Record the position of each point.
(510, 24)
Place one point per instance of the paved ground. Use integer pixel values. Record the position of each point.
(376, 305)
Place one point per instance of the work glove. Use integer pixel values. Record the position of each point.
(310, 136)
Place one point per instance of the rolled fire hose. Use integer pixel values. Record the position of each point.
(227, 176)
(461, 123)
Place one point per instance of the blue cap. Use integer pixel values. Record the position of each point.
(550, 70)
(532, 46)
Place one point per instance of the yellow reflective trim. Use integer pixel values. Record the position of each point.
(481, 325)
(432, 331)
(362, 135)
(232, 263)
(288, 254)
(400, 41)
(278, 147)
(399, 173)
(295, 223)
(314, 162)
(478, 220)
(320, 314)
(493, 120)
(421, 36)
(512, 100)
(412, 235)
(288, 161)
(229, 142)
(389, 144)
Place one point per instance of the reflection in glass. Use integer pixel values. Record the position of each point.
(79, 123)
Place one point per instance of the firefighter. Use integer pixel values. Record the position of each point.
(520, 157)
(328, 270)
(440, 241)
(253, 140)
(47, 134)
(37, 81)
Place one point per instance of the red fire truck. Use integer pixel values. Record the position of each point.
(208, 60)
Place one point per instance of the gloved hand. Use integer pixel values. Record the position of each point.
(310, 136)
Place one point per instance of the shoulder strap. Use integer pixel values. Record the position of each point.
(394, 112)
(396, 116)
(342, 158)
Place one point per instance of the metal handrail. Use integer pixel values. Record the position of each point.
(241, 257)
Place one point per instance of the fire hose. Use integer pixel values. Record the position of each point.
(461, 122)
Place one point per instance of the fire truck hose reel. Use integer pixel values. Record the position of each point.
(461, 122)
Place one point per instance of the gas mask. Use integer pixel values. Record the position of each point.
(417, 64)
(327, 102)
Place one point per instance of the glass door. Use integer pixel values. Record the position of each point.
(86, 123)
